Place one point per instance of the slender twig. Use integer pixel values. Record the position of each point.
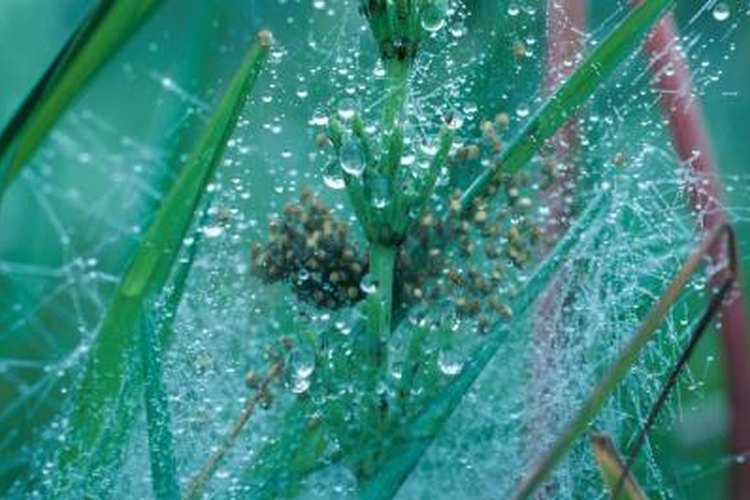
(696, 335)
(576, 427)
(200, 479)
(693, 146)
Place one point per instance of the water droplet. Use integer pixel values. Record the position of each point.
(319, 4)
(213, 231)
(302, 92)
(368, 284)
(454, 119)
(381, 192)
(721, 11)
(332, 175)
(449, 362)
(433, 16)
(522, 111)
(347, 109)
(513, 9)
(352, 158)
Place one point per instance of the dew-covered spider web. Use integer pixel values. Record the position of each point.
(72, 220)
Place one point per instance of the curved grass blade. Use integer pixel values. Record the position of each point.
(620, 482)
(576, 427)
(106, 28)
(574, 93)
(103, 406)
(420, 432)
(158, 418)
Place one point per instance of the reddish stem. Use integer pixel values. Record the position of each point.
(692, 144)
(565, 28)
(565, 25)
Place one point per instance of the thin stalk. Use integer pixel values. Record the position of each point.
(692, 144)
(622, 365)
(699, 329)
(380, 302)
(199, 480)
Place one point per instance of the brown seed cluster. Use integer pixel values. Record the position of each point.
(312, 249)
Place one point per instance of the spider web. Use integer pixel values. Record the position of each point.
(72, 220)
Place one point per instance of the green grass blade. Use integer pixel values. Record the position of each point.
(107, 27)
(574, 93)
(620, 368)
(102, 407)
(420, 433)
(158, 419)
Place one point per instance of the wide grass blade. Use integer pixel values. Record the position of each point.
(419, 434)
(620, 482)
(103, 406)
(107, 27)
(624, 362)
(622, 42)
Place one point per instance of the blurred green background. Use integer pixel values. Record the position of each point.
(148, 103)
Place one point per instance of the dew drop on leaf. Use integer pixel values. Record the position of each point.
(351, 157)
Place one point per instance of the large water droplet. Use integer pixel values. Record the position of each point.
(449, 362)
(368, 284)
(332, 175)
(352, 158)
(721, 11)
(347, 109)
(433, 16)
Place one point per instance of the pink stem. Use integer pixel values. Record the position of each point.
(693, 147)
(565, 28)
(565, 25)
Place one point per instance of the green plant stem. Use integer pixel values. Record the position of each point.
(397, 79)
(621, 367)
(380, 303)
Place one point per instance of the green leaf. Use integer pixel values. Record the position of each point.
(417, 436)
(104, 403)
(107, 27)
(620, 482)
(622, 42)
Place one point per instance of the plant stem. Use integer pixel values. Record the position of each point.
(397, 78)
(380, 301)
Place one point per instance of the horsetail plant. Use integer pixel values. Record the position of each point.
(348, 411)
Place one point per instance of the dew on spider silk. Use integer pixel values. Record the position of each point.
(351, 157)
(721, 11)
(347, 109)
(332, 175)
(513, 9)
(213, 231)
(433, 16)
